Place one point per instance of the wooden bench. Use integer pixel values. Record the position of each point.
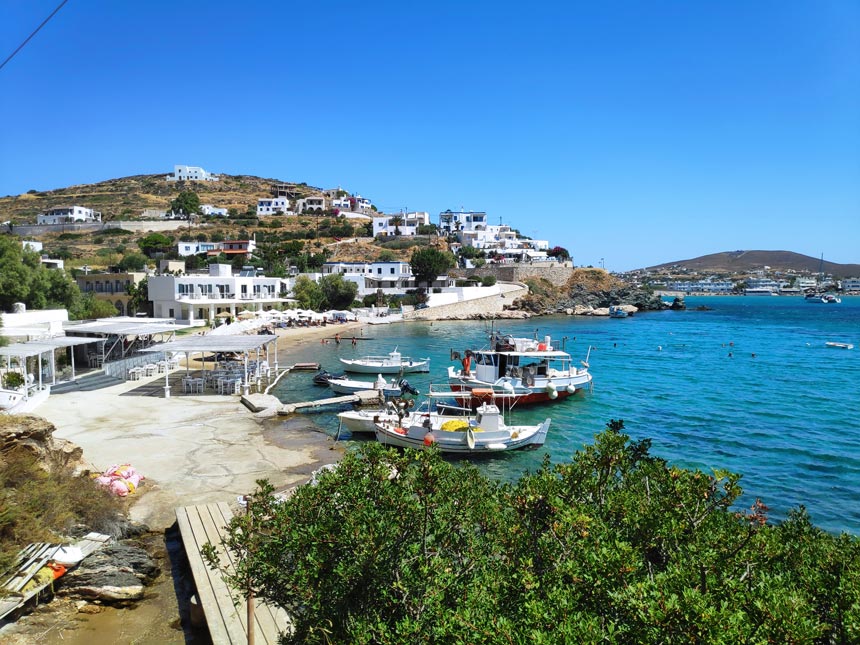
(228, 624)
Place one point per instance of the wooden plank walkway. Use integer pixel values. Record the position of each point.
(30, 561)
(228, 624)
(365, 397)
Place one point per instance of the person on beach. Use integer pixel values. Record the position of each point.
(337, 339)
(354, 342)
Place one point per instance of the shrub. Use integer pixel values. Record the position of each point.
(488, 280)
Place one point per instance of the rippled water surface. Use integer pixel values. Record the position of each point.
(748, 386)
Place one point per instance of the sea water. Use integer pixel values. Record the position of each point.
(747, 385)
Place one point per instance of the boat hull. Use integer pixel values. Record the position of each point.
(382, 367)
(471, 443)
(346, 386)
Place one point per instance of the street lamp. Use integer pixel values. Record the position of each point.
(602, 266)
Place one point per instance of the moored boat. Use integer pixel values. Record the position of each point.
(394, 387)
(616, 311)
(480, 433)
(533, 371)
(393, 363)
(839, 345)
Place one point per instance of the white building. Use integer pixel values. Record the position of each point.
(272, 206)
(400, 223)
(389, 277)
(68, 215)
(227, 247)
(190, 173)
(453, 221)
(209, 209)
(192, 298)
(31, 245)
(851, 284)
(311, 204)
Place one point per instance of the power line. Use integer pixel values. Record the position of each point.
(36, 31)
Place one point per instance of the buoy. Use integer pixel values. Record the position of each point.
(553, 394)
(429, 439)
(571, 388)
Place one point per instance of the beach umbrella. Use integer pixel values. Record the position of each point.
(223, 314)
(245, 315)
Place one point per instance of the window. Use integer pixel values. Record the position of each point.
(392, 270)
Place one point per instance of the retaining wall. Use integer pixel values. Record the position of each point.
(487, 306)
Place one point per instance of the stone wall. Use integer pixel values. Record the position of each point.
(33, 230)
(556, 272)
(478, 308)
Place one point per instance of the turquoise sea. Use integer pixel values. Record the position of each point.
(748, 386)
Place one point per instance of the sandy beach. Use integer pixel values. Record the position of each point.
(191, 448)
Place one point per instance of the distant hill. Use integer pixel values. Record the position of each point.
(128, 197)
(750, 261)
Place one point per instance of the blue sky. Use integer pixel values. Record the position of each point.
(633, 132)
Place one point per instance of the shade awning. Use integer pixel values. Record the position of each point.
(214, 344)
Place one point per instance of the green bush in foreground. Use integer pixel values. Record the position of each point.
(616, 546)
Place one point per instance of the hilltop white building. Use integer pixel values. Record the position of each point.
(272, 206)
(68, 215)
(314, 204)
(451, 222)
(227, 247)
(209, 209)
(408, 223)
(190, 173)
(192, 298)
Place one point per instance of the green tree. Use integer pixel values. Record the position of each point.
(187, 202)
(308, 293)
(338, 293)
(92, 308)
(614, 546)
(386, 255)
(132, 262)
(23, 278)
(429, 263)
(139, 301)
(155, 243)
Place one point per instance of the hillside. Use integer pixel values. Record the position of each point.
(128, 197)
(750, 261)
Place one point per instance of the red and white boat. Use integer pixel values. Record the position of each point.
(531, 370)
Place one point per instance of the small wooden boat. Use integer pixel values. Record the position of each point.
(480, 433)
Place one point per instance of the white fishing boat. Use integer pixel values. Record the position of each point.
(393, 363)
(10, 398)
(480, 432)
(822, 298)
(532, 370)
(839, 345)
(394, 387)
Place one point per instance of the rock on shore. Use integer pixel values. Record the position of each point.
(116, 574)
(589, 292)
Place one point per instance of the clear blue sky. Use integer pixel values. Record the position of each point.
(637, 132)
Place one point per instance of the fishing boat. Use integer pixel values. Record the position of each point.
(481, 431)
(617, 311)
(394, 387)
(393, 363)
(531, 370)
(839, 345)
(10, 398)
(822, 298)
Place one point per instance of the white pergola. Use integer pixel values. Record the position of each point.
(224, 344)
(120, 329)
(29, 349)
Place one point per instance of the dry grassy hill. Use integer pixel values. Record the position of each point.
(128, 197)
(750, 261)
